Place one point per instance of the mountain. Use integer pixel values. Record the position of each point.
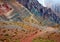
(25, 8)
(35, 7)
(24, 12)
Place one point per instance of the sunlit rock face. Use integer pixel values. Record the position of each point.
(54, 5)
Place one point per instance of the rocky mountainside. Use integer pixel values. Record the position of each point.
(34, 5)
(24, 8)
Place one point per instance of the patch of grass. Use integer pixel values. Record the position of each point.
(42, 40)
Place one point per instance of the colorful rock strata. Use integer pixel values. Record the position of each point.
(28, 21)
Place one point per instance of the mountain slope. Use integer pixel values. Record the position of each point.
(42, 14)
(42, 11)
